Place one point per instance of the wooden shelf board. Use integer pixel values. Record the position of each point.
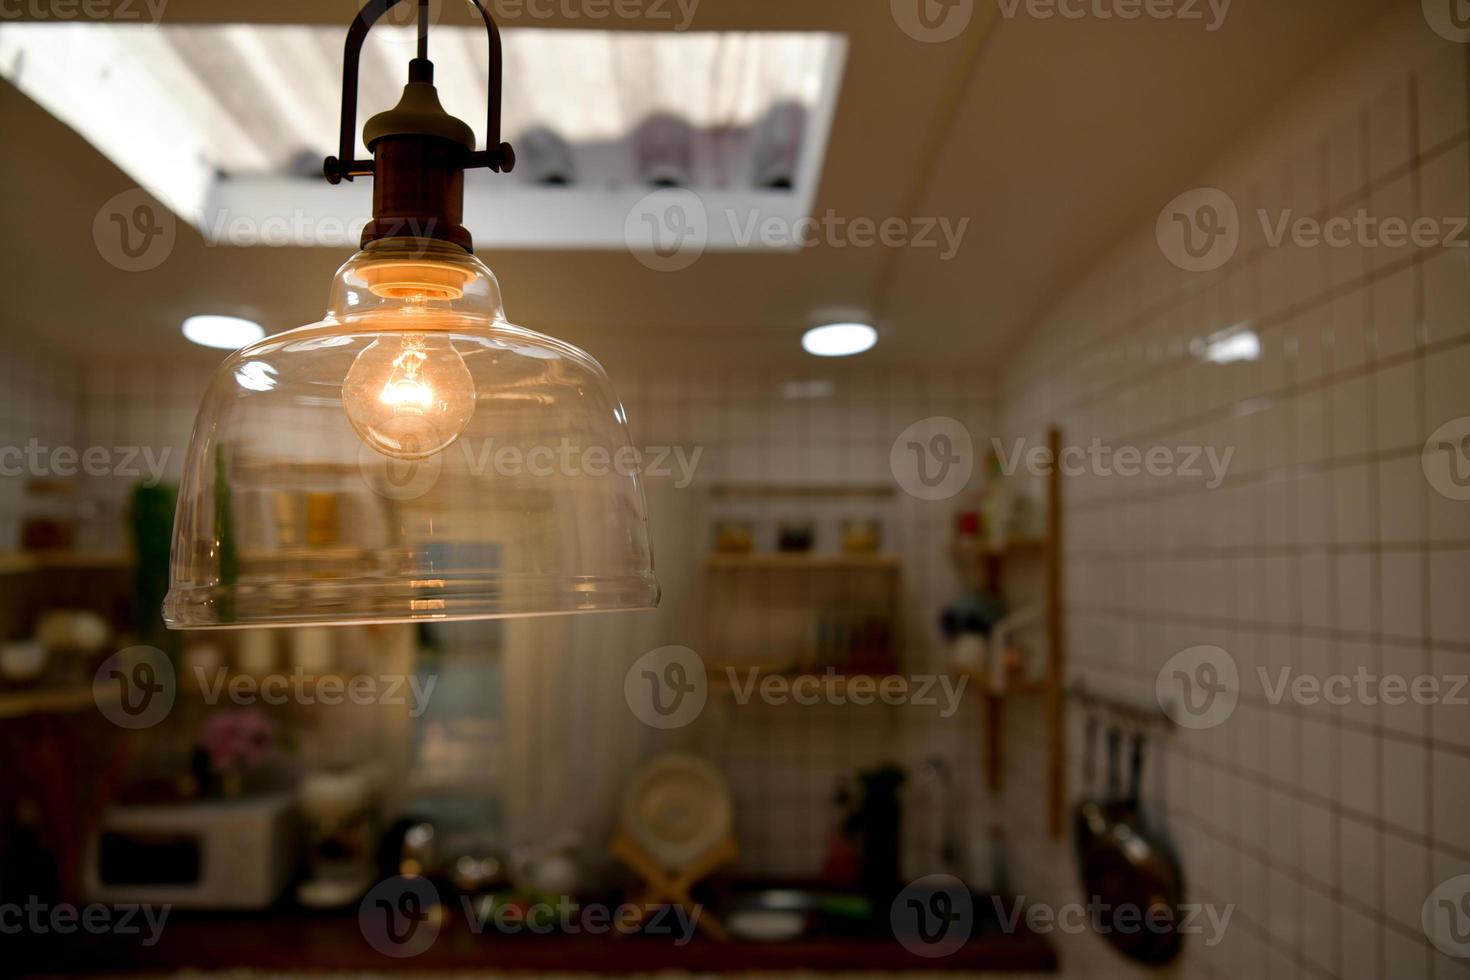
(50, 700)
(22, 562)
(801, 560)
(974, 548)
(802, 490)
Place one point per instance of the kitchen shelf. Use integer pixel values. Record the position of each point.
(24, 562)
(51, 700)
(802, 560)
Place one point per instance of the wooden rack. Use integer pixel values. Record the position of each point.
(992, 562)
(775, 560)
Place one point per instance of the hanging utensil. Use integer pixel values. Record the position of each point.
(1087, 820)
(1132, 872)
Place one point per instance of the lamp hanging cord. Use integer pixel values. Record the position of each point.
(423, 30)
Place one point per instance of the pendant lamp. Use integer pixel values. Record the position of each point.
(413, 455)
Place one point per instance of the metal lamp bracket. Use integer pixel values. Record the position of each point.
(497, 156)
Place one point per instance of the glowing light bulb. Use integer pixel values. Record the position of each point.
(409, 395)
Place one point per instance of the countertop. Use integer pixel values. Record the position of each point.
(289, 939)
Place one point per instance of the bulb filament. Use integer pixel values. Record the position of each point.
(406, 393)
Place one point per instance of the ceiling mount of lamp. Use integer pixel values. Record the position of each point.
(419, 151)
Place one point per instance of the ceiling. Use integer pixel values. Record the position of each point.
(1051, 137)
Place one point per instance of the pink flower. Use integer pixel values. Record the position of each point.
(237, 738)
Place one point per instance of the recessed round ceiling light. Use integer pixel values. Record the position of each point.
(223, 332)
(839, 339)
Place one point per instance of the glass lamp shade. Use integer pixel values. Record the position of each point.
(411, 457)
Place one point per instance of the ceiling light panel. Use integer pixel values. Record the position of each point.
(212, 118)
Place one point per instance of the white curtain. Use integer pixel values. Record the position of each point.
(571, 740)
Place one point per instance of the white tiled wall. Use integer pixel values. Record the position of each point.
(143, 405)
(137, 412)
(1325, 549)
(38, 400)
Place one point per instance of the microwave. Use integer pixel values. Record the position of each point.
(217, 854)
